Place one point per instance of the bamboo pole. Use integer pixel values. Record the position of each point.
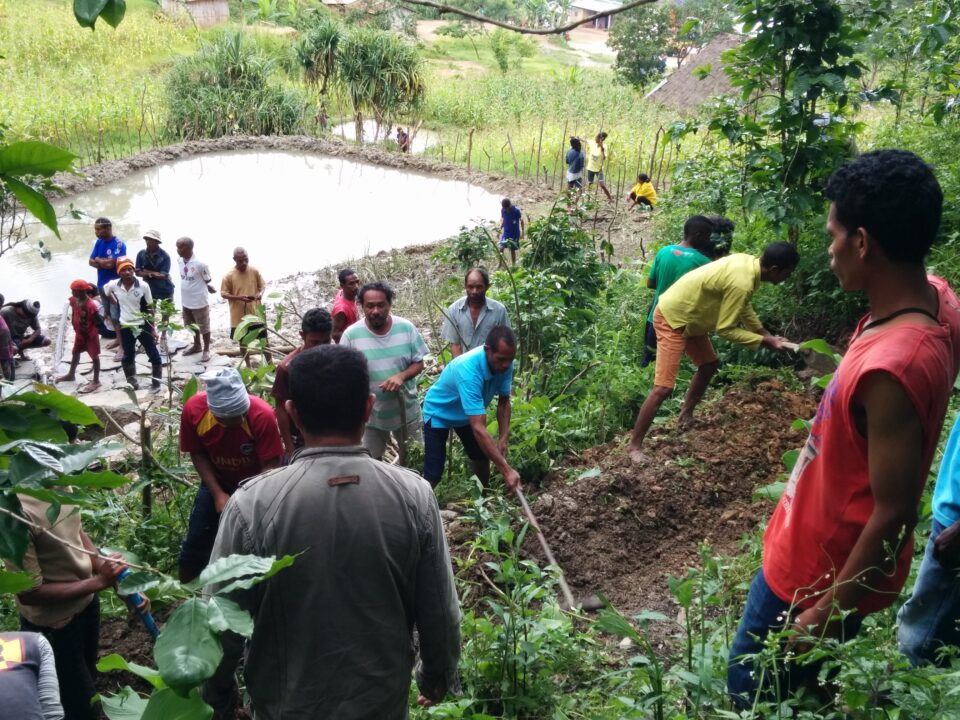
(470, 149)
(516, 167)
(539, 147)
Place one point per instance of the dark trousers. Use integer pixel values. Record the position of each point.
(763, 613)
(75, 653)
(129, 338)
(435, 449)
(201, 534)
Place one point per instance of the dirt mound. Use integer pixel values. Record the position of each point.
(619, 529)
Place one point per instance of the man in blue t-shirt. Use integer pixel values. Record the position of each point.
(929, 619)
(104, 258)
(458, 400)
(512, 228)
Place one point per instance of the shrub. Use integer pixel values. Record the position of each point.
(227, 88)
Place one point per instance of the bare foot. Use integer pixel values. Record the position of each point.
(89, 388)
(688, 423)
(637, 456)
(113, 344)
(66, 378)
(192, 351)
(205, 357)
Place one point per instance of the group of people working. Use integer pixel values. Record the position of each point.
(333, 635)
(592, 159)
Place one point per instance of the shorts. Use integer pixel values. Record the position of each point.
(90, 345)
(574, 180)
(262, 335)
(199, 317)
(591, 176)
(375, 440)
(671, 344)
(38, 342)
(511, 243)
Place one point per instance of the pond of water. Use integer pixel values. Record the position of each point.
(373, 134)
(292, 212)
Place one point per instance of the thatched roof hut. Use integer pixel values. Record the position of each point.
(683, 91)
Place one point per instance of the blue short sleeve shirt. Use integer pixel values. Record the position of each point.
(112, 248)
(465, 388)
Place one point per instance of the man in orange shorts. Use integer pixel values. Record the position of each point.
(712, 298)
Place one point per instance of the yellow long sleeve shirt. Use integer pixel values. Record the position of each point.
(716, 297)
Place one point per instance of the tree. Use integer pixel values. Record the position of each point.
(382, 74)
(640, 38)
(797, 78)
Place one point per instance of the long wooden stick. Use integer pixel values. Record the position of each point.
(564, 588)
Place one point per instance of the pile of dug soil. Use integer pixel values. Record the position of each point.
(620, 529)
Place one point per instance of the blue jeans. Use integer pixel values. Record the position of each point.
(765, 612)
(928, 620)
(201, 534)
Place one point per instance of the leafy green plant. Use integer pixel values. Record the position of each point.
(227, 88)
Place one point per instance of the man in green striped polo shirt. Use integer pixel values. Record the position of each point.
(394, 350)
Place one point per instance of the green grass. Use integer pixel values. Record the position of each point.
(66, 84)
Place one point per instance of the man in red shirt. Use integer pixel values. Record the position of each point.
(314, 330)
(345, 311)
(839, 544)
(231, 436)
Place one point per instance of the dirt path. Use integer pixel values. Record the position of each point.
(621, 529)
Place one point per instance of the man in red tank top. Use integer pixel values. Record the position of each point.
(840, 541)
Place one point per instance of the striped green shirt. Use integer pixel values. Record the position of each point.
(386, 356)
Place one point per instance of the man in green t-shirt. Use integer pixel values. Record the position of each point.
(670, 264)
(395, 351)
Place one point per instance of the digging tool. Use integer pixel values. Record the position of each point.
(592, 602)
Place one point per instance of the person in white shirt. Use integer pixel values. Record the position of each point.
(136, 309)
(194, 287)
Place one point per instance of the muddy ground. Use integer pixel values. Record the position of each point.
(621, 531)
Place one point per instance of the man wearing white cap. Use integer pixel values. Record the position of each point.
(153, 265)
(230, 436)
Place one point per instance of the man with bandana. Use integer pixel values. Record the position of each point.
(230, 436)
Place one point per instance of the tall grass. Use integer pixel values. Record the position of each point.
(59, 81)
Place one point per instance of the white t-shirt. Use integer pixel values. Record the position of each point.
(131, 301)
(194, 276)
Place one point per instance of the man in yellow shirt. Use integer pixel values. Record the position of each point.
(242, 287)
(643, 193)
(596, 157)
(715, 297)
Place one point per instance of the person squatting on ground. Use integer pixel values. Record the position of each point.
(458, 400)
(195, 288)
(715, 297)
(512, 228)
(230, 436)
(596, 157)
(84, 316)
(63, 605)
(315, 329)
(395, 351)
(22, 319)
(8, 350)
(345, 311)
(643, 193)
(135, 301)
(839, 543)
(670, 264)
(575, 162)
(469, 319)
(333, 633)
(242, 287)
(29, 688)
(104, 256)
(930, 619)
